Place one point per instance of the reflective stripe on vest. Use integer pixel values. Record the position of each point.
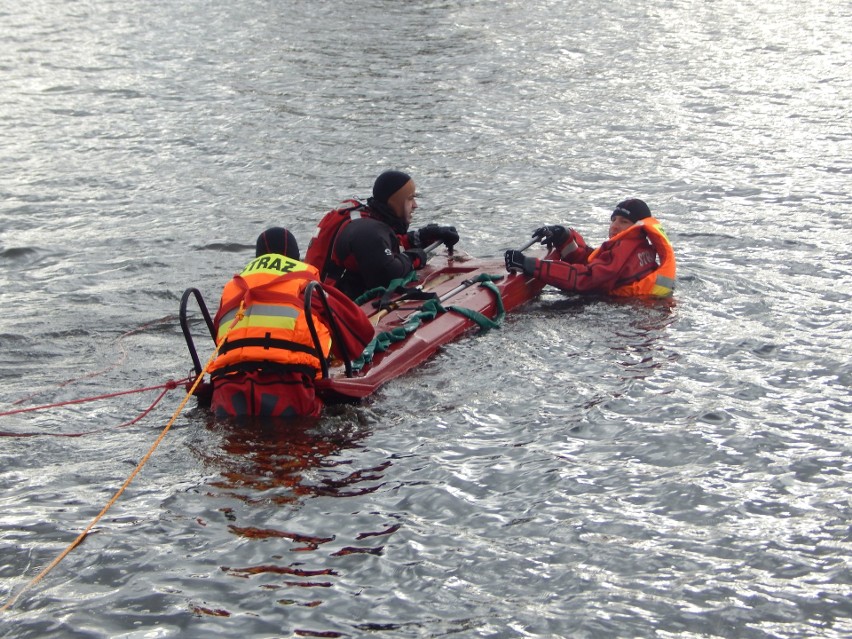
(259, 315)
(661, 281)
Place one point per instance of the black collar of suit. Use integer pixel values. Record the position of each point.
(385, 213)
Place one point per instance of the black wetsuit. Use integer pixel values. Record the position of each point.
(368, 252)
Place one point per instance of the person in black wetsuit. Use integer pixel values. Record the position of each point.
(376, 248)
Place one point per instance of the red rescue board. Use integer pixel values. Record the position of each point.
(443, 275)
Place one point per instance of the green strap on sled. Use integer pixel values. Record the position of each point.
(397, 285)
(483, 322)
(429, 311)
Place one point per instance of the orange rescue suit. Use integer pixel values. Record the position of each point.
(659, 283)
(638, 261)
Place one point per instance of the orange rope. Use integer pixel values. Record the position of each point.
(144, 460)
(115, 497)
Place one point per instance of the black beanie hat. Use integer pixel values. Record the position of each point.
(633, 209)
(389, 183)
(277, 240)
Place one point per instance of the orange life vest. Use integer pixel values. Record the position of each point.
(273, 330)
(660, 282)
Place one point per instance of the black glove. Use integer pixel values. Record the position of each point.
(553, 235)
(517, 261)
(417, 256)
(432, 233)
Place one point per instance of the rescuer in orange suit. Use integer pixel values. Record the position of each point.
(636, 261)
(268, 360)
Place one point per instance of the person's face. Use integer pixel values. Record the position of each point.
(619, 224)
(403, 202)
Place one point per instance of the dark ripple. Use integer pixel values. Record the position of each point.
(18, 253)
(230, 247)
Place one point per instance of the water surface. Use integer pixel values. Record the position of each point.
(592, 469)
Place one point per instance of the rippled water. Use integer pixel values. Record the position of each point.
(592, 469)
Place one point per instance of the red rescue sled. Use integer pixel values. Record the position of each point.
(453, 278)
(457, 284)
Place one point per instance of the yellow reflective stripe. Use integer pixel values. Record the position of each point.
(661, 291)
(662, 231)
(227, 318)
(261, 316)
(261, 321)
(225, 324)
(665, 282)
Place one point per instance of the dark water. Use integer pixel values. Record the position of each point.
(592, 469)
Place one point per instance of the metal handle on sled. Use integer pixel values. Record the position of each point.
(335, 330)
(184, 325)
(468, 282)
(434, 246)
(402, 298)
(528, 244)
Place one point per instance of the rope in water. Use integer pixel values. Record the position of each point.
(115, 364)
(78, 540)
(166, 387)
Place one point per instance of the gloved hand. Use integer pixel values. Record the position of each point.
(417, 256)
(550, 236)
(432, 233)
(517, 261)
